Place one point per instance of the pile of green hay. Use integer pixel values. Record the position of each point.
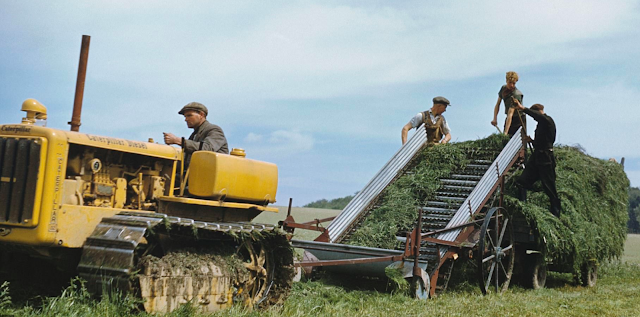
(396, 209)
(593, 223)
(594, 196)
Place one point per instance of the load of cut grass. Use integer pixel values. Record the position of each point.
(396, 208)
(592, 226)
(594, 196)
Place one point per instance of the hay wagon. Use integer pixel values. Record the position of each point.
(465, 218)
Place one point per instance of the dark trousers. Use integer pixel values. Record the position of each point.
(516, 123)
(542, 166)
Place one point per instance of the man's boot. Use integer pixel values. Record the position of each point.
(522, 194)
(556, 207)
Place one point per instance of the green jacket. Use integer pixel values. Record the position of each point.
(506, 96)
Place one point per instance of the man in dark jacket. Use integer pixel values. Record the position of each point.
(205, 136)
(542, 163)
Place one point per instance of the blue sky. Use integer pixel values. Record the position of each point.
(323, 88)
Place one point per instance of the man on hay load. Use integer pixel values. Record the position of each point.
(542, 162)
(509, 93)
(435, 123)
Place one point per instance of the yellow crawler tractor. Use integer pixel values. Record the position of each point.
(115, 212)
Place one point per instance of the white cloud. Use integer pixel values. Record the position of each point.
(253, 138)
(283, 50)
(338, 68)
(298, 50)
(292, 139)
(278, 144)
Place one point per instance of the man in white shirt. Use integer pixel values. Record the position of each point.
(435, 123)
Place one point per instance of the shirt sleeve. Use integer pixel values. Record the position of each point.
(536, 115)
(417, 120)
(213, 141)
(190, 146)
(518, 95)
(445, 126)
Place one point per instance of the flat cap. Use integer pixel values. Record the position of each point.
(194, 106)
(441, 100)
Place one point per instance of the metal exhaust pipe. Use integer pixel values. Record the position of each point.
(82, 74)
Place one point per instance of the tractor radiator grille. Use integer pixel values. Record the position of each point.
(19, 164)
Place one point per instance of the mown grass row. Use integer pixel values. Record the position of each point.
(617, 294)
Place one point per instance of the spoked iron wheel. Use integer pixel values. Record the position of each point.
(537, 271)
(496, 254)
(589, 273)
(260, 269)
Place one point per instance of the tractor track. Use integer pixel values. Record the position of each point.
(111, 255)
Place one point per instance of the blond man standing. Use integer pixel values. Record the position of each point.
(509, 93)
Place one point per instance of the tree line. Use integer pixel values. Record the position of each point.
(337, 203)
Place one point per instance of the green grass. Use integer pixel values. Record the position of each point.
(616, 294)
(632, 249)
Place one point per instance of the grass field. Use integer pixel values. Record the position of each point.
(300, 214)
(632, 250)
(616, 294)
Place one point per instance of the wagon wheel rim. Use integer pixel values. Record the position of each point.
(538, 272)
(496, 254)
(589, 273)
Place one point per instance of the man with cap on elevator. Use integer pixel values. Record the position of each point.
(205, 137)
(435, 123)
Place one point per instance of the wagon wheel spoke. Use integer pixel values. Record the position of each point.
(489, 258)
(490, 239)
(504, 228)
(496, 256)
(488, 282)
(503, 269)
